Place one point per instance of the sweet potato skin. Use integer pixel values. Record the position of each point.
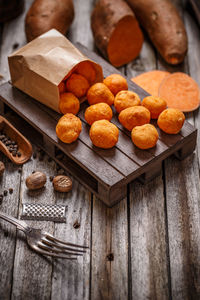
(44, 15)
(164, 26)
(104, 19)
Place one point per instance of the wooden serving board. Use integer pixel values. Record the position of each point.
(105, 172)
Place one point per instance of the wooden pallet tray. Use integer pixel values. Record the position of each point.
(105, 172)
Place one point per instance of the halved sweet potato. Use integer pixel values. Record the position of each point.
(116, 31)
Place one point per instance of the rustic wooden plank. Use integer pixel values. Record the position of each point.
(149, 265)
(193, 60)
(70, 280)
(110, 253)
(32, 272)
(80, 30)
(183, 206)
(12, 37)
(149, 275)
(182, 197)
(10, 179)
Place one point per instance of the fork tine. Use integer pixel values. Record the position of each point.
(57, 245)
(51, 237)
(57, 250)
(43, 252)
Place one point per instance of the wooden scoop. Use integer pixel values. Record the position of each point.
(24, 146)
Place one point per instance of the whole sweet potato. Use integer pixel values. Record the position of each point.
(165, 28)
(44, 15)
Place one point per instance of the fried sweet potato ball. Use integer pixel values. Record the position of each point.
(116, 83)
(104, 134)
(98, 93)
(77, 84)
(69, 103)
(125, 99)
(134, 116)
(86, 69)
(68, 128)
(99, 111)
(155, 105)
(171, 120)
(145, 136)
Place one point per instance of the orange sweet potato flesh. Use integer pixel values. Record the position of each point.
(116, 31)
(180, 91)
(150, 81)
(165, 28)
(44, 15)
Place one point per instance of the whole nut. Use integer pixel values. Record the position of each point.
(2, 168)
(36, 181)
(62, 183)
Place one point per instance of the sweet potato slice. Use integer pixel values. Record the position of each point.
(180, 91)
(116, 31)
(150, 81)
(44, 15)
(165, 28)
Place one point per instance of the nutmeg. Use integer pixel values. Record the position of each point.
(62, 183)
(36, 180)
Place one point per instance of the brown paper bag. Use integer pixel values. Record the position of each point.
(39, 67)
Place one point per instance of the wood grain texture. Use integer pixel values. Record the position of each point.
(32, 272)
(12, 37)
(182, 194)
(183, 207)
(80, 31)
(109, 278)
(10, 179)
(149, 264)
(71, 280)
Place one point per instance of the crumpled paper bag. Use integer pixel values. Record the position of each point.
(39, 67)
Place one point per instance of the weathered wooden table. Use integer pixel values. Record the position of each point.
(145, 247)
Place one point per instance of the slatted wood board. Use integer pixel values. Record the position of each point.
(105, 172)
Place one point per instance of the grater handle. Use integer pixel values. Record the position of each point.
(21, 225)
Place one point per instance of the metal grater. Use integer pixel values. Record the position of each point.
(43, 212)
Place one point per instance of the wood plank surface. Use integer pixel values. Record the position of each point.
(10, 179)
(182, 195)
(30, 269)
(12, 37)
(71, 280)
(33, 274)
(149, 264)
(109, 277)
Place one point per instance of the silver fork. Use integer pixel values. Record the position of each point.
(45, 243)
